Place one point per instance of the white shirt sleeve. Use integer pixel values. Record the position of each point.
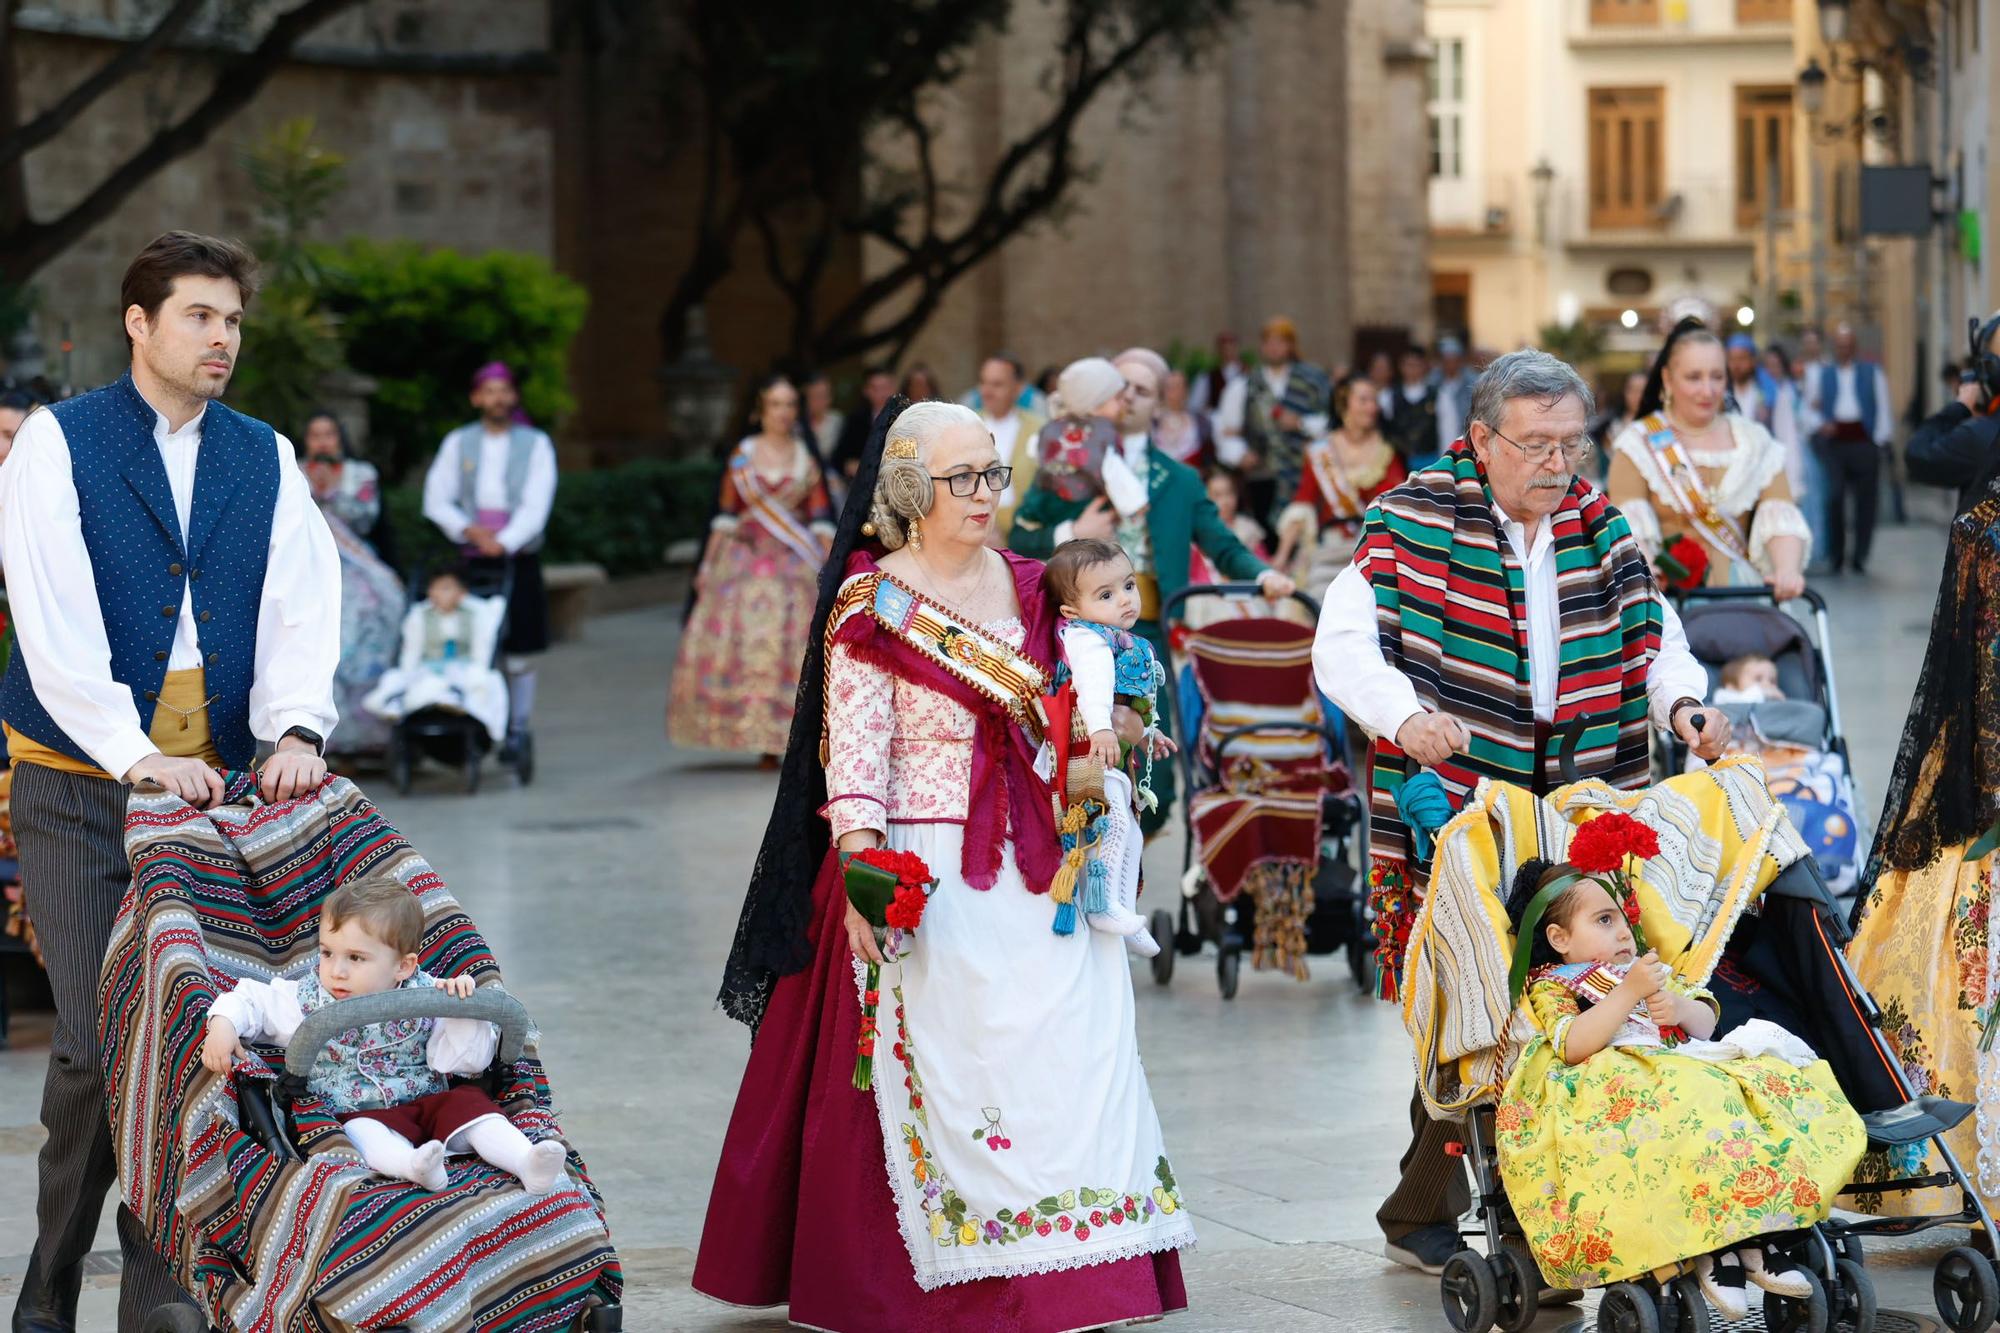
(1314, 424)
(441, 492)
(52, 595)
(462, 1046)
(1095, 673)
(298, 620)
(1885, 413)
(261, 1011)
(1348, 661)
(1229, 443)
(538, 494)
(1675, 674)
(1123, 487)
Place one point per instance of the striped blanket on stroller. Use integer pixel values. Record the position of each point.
(265, 1242)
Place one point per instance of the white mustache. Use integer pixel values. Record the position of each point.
(1549, 484)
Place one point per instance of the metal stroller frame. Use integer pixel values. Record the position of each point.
(1501, 1288)
(1232, 924)
(453, 737)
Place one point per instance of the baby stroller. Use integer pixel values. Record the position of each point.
(1272, 819)
(455, 736)
(1763, 932)
(1803, 744)
(258, 1201)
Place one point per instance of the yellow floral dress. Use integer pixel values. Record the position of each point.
(1638, 1157)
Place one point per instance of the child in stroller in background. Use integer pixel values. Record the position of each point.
(1620, 1104)
(447, 658)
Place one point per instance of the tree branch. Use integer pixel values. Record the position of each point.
(107, 76)
(238, 80)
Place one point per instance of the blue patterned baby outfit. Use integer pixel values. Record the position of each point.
(373, 1067)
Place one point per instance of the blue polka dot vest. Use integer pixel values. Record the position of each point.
(143, 568)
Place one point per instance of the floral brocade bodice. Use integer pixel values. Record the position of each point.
(368, 1068)
(897, 751)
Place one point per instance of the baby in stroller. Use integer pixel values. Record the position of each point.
(447, 657)
(385, 1082)
(1094, 584)
(1620, 1104)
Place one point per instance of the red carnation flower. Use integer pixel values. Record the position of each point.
(907, 910)
(1602, 845)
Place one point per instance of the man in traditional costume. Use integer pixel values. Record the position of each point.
(1495, 598)
(489, 490)
(1267, 418)
(176, 597)
(1161, 538)
(1857, 424)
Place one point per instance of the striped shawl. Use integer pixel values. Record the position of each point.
(1450, 603)
(269, 1245)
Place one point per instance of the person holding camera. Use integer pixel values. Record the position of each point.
(1956, 444)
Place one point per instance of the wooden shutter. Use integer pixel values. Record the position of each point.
(1624, 13)
(1627, 156)
(1763, 130)
(1763, 11)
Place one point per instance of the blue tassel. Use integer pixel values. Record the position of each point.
(1066, 918)
(1095, 898)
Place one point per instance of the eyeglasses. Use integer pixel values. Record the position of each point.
(965, 485)
(1538, 451)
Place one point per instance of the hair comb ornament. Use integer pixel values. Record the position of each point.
(903, 446)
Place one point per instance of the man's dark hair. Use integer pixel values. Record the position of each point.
(183, 254)
(1013, 363)
(446, 567)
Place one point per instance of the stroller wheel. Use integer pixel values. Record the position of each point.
(1163, 961)
(179, 1318)
(1520, 1286)
(1854, 1302)
(603, 1319)
(524, 758)
(1690, 1308)
(1849, 1246)
(474, 756)
(401, 763)
(1627, 1307)
(1228, 968)
(1967, 1294)
(1808, 1314)
(1471, 1296)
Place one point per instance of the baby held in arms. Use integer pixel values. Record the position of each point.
(385, 1082)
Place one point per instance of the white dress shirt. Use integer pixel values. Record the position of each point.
(1006, 431)
(538, 489)
(1350, 668)
(1230, 446)
(52, 593)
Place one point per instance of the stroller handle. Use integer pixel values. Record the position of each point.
(489, 1004)
(1170, 609)
(1760, 593)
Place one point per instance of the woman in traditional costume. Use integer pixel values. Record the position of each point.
(1343, 472)
(1686, 468)
(738, 669)
(1926, 944)
(1007, 1168)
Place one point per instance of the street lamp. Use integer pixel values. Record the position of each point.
(1833, 16)
(1544, 177)
(1812, 87)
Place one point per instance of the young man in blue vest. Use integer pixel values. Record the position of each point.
(489, 490)
(176, 598)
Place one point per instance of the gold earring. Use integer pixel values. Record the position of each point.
(916, 534)
(868, 529)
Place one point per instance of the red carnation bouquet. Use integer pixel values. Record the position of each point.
(1684, 564)
(889, 889)
(1603, 849)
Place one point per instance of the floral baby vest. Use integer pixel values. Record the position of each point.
(369, 1068)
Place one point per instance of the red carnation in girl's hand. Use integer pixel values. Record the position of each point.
(1602, 845)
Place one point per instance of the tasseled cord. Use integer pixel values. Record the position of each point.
(1062, 888)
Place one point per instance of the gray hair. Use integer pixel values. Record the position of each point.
(1529, 373)
(904, 491)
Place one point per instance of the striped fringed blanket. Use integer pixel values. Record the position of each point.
(1723, 839)
(268, 1244)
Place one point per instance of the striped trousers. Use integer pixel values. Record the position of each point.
(71, 835)
(1432, 1187)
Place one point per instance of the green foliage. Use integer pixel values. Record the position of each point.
(421, 321)
(293, 344)
(622, 518)
(1579, 343)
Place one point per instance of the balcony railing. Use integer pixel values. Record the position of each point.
(1696, 212)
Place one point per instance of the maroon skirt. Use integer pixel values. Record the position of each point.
(801, 1213)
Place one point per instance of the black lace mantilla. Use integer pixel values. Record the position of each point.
(772, 929)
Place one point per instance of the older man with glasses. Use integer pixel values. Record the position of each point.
(1496, 597)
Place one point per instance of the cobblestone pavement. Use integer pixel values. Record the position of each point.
(609, 890)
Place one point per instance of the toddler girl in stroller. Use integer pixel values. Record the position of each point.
(1619, 1104)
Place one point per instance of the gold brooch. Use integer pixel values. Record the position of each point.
(903, 446)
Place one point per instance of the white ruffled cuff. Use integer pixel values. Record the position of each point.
(724, 523)
(1777, 518)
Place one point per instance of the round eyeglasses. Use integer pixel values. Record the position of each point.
(965, 485)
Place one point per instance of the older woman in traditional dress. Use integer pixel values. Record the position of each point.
(1007, 1169)
(1928, 943)
(1685, 467)
(1343, 472)
(738, 669)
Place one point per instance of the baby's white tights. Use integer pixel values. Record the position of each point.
(492, 1137)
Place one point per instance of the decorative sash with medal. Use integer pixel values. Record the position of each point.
(1684, 487)
(895, 629)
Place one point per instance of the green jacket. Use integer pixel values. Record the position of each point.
(1179, 518)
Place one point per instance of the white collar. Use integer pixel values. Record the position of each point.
(1001, 420)
(163, 431)
(1530, 539)
(1135, 441)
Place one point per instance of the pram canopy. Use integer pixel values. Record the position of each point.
(1723, 840)
(265, 1241)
